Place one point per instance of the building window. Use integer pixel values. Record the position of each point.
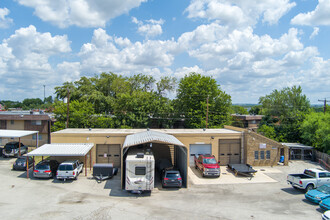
(256, 155)
(268, 155)
(36, 122)
(12, 122)
(140, 170)
(34, 137)
(262, 155)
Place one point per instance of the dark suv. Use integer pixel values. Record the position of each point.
(20, 163)
(46, 169)
(171, 178)
(11, 149)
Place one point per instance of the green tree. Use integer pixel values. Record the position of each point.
(80, 115)
(236, 109)
(191, 103)
(268, 131)
(316, 131)
(133, 100)
(255, 110)
(32, 103)
(287, 108)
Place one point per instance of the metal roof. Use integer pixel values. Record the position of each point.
(151, 136)
(62, 149)
(16, 133)
(297, 145)
(133, 131)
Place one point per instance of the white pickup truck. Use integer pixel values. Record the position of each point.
(69, 170)
(310, 179)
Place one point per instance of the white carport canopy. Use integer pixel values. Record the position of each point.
(62, 149)
(16, 133)
(151, 136)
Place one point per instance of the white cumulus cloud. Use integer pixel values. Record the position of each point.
(82, 13)
(320, 16)
(4, 20)
(236, 13)
(149, 28)
(24, 60)
(105, 53)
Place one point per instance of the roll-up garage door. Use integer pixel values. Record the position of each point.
(196, 149)
(229, 151)
(108, 153)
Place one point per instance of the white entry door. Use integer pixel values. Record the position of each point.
(197, 149)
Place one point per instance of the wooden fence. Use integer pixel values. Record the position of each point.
(323, 159)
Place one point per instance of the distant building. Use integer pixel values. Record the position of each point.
(247, 121)
(27, 120)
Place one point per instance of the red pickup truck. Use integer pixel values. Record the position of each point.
(208, 165)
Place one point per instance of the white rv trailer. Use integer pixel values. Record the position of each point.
(140, 170)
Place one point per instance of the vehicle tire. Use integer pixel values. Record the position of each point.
(76, 177)
(309, 187)
(196, 167)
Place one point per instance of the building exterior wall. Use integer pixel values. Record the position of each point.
(186, 139)
(16, 125)
(255, 142)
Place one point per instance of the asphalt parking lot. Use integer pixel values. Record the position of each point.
(22, 198)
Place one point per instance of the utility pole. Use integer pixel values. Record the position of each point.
(207, 110)
(44, 93)
(68, 108)
(325, 105)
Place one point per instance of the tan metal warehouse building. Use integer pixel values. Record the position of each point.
(229, 145)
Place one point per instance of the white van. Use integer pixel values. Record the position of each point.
(140, 171)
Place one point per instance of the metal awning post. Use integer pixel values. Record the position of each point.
(37, 140)
(27, 167)
(90, 161)
(42, 157)
(85, 165)
(19, 146)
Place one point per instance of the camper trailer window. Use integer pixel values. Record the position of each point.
(140, 170)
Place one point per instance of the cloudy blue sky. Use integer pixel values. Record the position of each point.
(250, 47)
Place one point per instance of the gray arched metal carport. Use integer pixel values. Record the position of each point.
(18, 134)
(64, 150)
(155, 137)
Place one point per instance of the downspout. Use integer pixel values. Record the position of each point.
(242, 147)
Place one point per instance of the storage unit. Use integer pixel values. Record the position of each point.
(229, 151)
(108, 153)
(197, 149)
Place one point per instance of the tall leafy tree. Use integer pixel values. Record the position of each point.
(193, 94)
(316, 131)
(287, 108)
(80, 115)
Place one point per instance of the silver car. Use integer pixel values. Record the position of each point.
(46, 169)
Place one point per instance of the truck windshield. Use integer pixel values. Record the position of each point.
(209, 161)
(310, 173)
(64, 167)
(324, 189)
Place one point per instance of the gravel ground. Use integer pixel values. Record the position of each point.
(85, 199)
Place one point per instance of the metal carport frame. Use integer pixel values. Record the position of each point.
(18, 134)
(63, 150)
(155, 137)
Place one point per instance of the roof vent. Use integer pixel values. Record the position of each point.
(139, 155)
